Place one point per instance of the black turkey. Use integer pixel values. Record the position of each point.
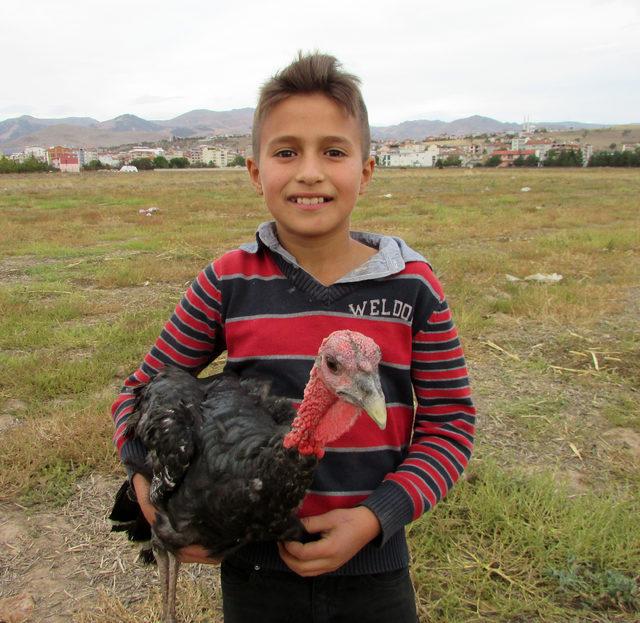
(229, 463)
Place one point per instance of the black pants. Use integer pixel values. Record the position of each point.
(260, 596)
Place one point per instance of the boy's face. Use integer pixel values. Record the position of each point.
(311, 168)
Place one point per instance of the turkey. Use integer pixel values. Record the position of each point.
(229, 463)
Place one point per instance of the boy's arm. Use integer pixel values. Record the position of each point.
(190, 339)
(444, 426)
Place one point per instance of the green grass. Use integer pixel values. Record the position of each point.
(511, 547)
(86, 284)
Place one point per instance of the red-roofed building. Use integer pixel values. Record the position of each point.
(507, 156)
(68, 163)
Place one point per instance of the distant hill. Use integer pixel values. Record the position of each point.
(236, 121)
(13, 129)
(129, 123)
(418, 130)
(20, 132)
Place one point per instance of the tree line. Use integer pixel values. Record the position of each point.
(160, 162)
(29, 165)
(616, 159)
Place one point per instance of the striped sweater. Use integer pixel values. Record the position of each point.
(270, 316)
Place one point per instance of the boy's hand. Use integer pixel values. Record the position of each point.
(191, 553)
(197, 554)
(142, 488)
(344, 533)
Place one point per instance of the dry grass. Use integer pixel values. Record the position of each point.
(86, 283)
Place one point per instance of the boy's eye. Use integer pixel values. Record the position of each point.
(335, 153)
(285, 153)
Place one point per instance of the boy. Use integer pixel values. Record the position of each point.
(270, 304)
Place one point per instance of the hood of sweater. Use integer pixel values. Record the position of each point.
(391, 258)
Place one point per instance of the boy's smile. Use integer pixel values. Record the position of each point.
(311, 167)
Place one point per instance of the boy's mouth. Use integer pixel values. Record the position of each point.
(309, 200)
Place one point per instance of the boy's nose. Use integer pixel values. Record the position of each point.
(310, 171)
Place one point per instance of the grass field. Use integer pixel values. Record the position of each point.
(545, 525)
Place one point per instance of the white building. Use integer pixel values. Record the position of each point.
(109, 160)
(39, 153)
(406, 157)
(215, 156)
(145, 152)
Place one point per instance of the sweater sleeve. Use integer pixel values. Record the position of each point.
(443, 431)
(190, 339)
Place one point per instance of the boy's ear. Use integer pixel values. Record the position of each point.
(367, 174)
(254, 174)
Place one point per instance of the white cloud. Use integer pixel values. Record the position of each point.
(417, 59)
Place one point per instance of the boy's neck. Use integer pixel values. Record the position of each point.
(326, 258)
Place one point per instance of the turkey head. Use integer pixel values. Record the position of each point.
(344, 382)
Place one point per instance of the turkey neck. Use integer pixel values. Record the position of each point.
(321, 418)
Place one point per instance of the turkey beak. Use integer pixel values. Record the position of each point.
(366, 393)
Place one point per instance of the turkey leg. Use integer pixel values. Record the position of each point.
(168, 566)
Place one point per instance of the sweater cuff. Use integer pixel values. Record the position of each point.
(134, 457)
(393, 508)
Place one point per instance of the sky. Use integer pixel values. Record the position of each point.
(548, 60)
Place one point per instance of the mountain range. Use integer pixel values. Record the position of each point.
(20, 132)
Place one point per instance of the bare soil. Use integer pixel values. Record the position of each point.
(67, 564)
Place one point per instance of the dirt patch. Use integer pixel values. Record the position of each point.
(69, 563)
(16, 609)
(9, 411)
(14, 269)
(626, 440)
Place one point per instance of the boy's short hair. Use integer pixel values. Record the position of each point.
(313, 73)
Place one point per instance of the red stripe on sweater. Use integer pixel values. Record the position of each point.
(445, 409)
(178, 357)
(424, 270)
(433, 473)
(302, 336)
(450, 448)
(314, 504)
(208, 287)
(211, 313)
(437, 375)
(242, 262)
(409, 481)
(438, 355)
(436, 431)
(435, 336)
(442, 392)
(119, 437)
(188, 341)
(439, 458)
(439, 316)
(194, 323)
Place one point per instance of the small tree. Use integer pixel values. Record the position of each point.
(493, 161)
(452, 161)
(160, 162)
(142, 164)
(179, 163)
(531, 161)
(238, 161)
(95, 165)
(519, 161)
